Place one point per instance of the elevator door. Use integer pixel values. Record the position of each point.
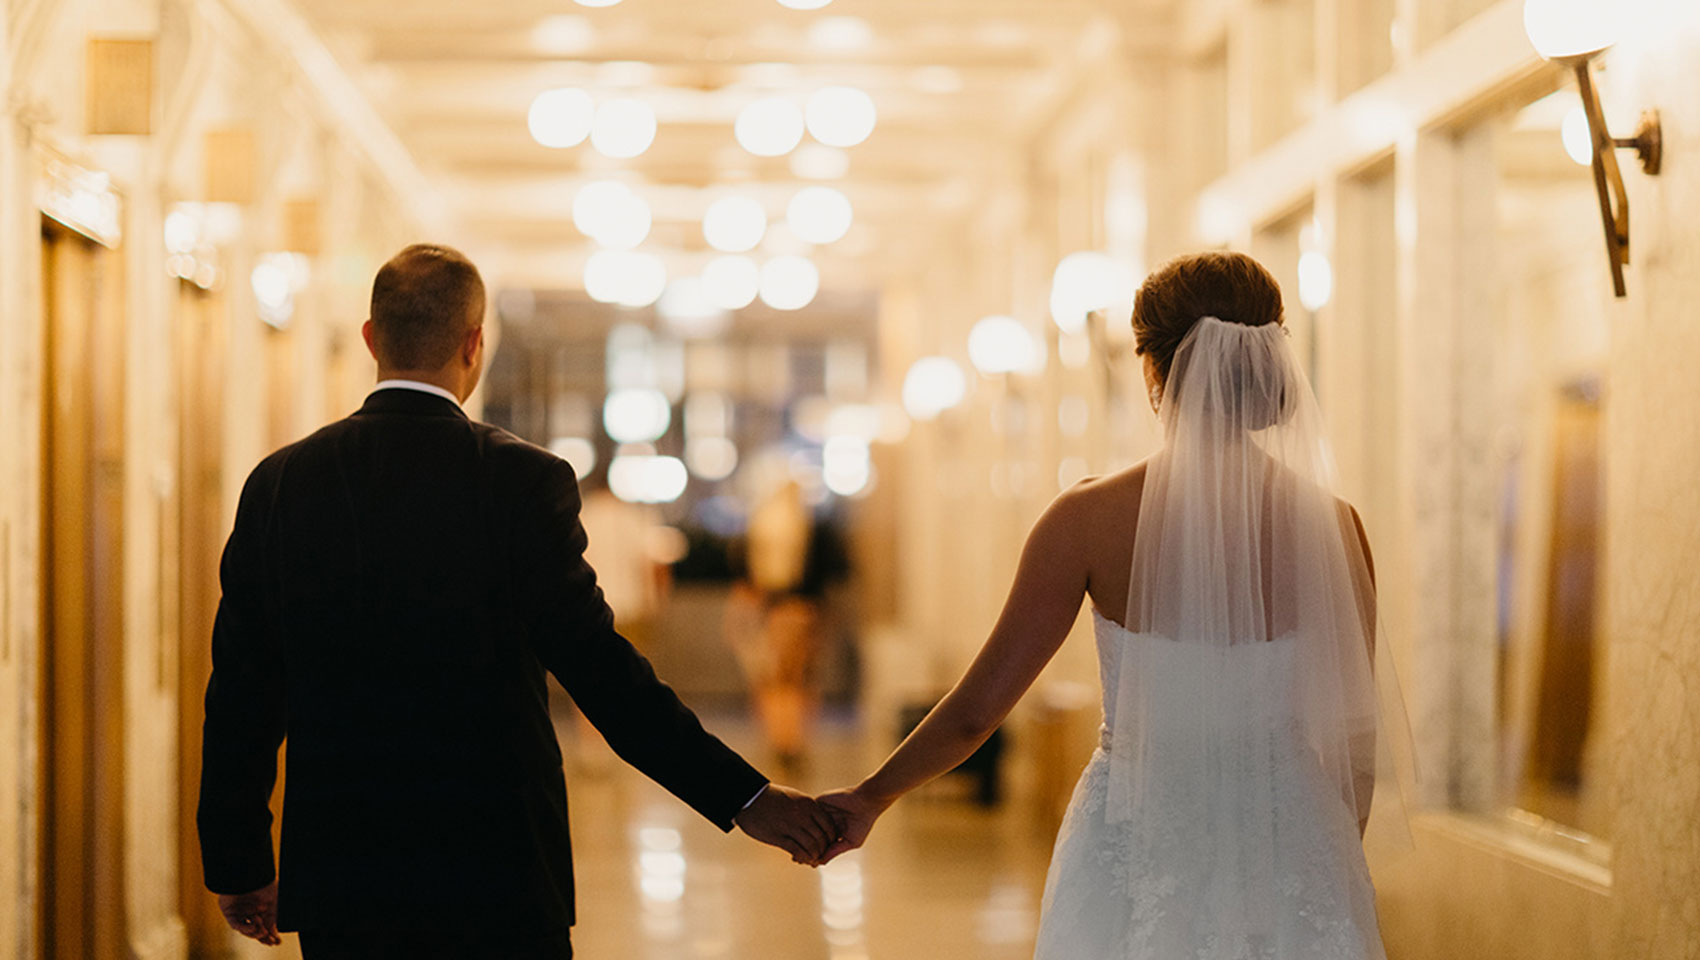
(82, 686)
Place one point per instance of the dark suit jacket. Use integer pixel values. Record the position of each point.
(394, 588)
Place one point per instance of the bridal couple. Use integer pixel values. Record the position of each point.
(398, 584)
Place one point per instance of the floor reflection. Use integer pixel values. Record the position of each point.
(941, 878)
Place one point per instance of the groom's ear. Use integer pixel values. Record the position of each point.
(471, 344)
(369, 334)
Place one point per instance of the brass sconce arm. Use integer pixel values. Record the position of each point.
(1648, 143)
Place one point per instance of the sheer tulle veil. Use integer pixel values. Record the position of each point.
(1244, 550)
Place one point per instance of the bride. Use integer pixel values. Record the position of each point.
(1233, 599)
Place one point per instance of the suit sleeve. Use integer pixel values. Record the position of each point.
(572, 631)
(245, 716)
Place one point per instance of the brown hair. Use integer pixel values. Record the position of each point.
(1226, 285)
(424, 302)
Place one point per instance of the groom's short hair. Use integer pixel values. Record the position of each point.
(424, 302)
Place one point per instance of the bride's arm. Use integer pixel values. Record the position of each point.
(1041, 608)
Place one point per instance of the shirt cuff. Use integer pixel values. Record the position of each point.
(753, 799)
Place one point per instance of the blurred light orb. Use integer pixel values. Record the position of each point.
(734, 224)
(563, 34)
(769, 127)
(845, 465)
(1578, 139)
(711, 458)
(1086, 281)
(578, 451)
(1571, 28)
(636, 415)
(645, 478)
(612, 214)
(1000, 344)
(626, 278)
(624, 128)
(561, 118)
(817, 161)
(804, 4)
(732, 282)
(840, 116)
(841, 33)
(819, 215)
(932, 386)
(789, 283)
(182, 232)
(689, 312)
(1316, 280)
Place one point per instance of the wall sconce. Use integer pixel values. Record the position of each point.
(1572, 33)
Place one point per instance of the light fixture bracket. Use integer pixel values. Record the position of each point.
(1648, 143)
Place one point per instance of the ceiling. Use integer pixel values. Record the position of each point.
(960, 86)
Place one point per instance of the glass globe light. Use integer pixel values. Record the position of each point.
(1577, 138)
(789, 283)
(819, 215)
(732, 282)
(770, 127)
(734, 224)
(612, 214)
(561, 118)
(1566, 29)
(624, 128)
(840, 116)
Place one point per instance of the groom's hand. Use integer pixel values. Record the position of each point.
(791, 821)
(254, 914)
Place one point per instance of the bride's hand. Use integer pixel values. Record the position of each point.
(855, 814)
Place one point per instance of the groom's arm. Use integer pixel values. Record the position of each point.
(572, 632)
(244, 712)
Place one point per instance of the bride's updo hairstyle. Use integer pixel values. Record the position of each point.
(1222, 284)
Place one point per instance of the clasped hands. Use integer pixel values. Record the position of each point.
(813, 830)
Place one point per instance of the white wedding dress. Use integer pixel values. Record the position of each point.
(1218, 820)
(1175, 886)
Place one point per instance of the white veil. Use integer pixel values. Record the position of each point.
(1254, 603)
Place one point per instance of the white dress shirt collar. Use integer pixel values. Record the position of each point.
(416, 385)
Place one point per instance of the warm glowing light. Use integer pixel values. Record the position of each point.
(840, 116)
(646, 478)
(1578, 139)
(732, 283)
(819, 215)
(561, 118)
(845, 465)
(578, 451)
(626, 278)
(804, 4)
(1560, 29)
(999, 344)
(563, 34)
(1316, 280)
(789, 283)
(815, 161)
(841, 33)
(690, 312)
(182, 232)
(276, 279)
(624, 128)
(711, 458)
(636, 415)
(734, 224)
(597, 3)
(932, 386)
(769, 127)
(1087, 281)
(612, 214)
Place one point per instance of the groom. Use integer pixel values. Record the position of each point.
(394, 589)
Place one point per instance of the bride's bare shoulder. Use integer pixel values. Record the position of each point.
(1094, 501)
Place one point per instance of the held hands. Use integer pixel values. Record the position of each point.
(253, 915)
(792, 821)
(855, 813)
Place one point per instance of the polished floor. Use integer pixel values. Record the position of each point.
(940, 877)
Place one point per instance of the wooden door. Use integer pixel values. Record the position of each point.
(200, 352)
(82, 685)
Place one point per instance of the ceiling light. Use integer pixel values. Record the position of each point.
(561, 118)
(819, 215)
(815, 161)
(625, 278)
(612, 214)
(637, 415)
(789, 283)
(840, 116)
(841, 33)
(731, 283)
(689, 312)
(624, 128)
(999, 344)
(769, 127)
(734, 224)
(932, 386)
